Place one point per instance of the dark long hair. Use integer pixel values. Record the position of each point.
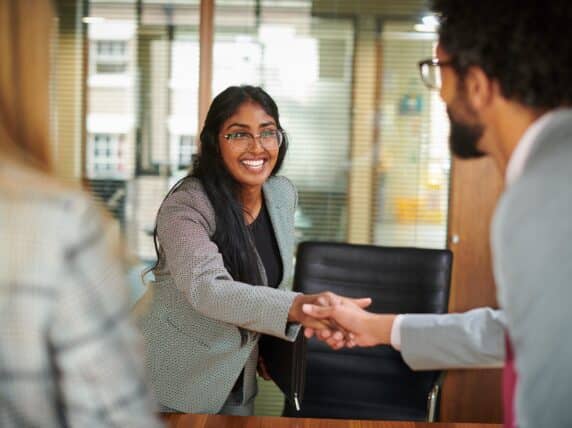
(231, 234)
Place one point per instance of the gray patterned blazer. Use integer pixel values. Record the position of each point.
(201, 326)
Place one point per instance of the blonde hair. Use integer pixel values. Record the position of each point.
(25, 39)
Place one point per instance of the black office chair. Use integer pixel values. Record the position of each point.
(371, 383)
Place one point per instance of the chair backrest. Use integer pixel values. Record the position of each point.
(370, 383)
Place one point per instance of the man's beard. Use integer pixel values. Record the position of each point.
(463, 138)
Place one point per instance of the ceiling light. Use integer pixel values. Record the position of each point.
(93, 19)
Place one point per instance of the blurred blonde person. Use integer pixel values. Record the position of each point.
(68, 354)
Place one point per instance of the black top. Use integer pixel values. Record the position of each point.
(267, 247)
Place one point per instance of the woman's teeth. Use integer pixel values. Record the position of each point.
(254, 164)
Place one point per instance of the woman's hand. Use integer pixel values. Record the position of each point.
(262, 370)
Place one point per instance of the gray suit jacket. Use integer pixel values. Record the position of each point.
(201, 326)
(532, 254)
(474, 339)
(531, 237)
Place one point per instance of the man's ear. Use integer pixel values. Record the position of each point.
(480, 89)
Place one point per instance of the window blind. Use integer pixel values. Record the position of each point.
(365, 136)
(141, 87)
(412, 170)
(304, 63)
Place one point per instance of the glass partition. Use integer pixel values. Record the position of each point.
(368, 147)
(412, 165)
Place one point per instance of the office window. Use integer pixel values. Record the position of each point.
(412, 167)
(110, 57)
(368, 149)
(110, 49)
(186, 149)
(106, 156)
(368, 143)
(142, 96)
(110, 120)
(304, 63)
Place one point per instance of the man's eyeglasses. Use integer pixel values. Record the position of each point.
(269, 138)
(430, 70)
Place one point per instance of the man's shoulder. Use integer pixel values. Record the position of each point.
(553, 148)
(531, 211)
(547, 174)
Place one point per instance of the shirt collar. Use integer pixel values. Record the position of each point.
(524, 148)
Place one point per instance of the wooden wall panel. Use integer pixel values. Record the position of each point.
(472, 395)
(206, 30)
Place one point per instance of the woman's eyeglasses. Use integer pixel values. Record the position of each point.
(269, 138)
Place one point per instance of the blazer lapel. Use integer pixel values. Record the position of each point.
(278, 224)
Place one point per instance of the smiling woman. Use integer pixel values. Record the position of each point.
(248, 158)
(224, 240)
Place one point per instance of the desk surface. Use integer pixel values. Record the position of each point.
(217, 421)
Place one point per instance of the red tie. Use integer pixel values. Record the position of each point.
(509, 384)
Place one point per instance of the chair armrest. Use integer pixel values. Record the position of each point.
(433, 398)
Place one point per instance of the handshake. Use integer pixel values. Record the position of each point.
(341, 321)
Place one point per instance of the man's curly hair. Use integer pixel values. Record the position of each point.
(523, 44)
